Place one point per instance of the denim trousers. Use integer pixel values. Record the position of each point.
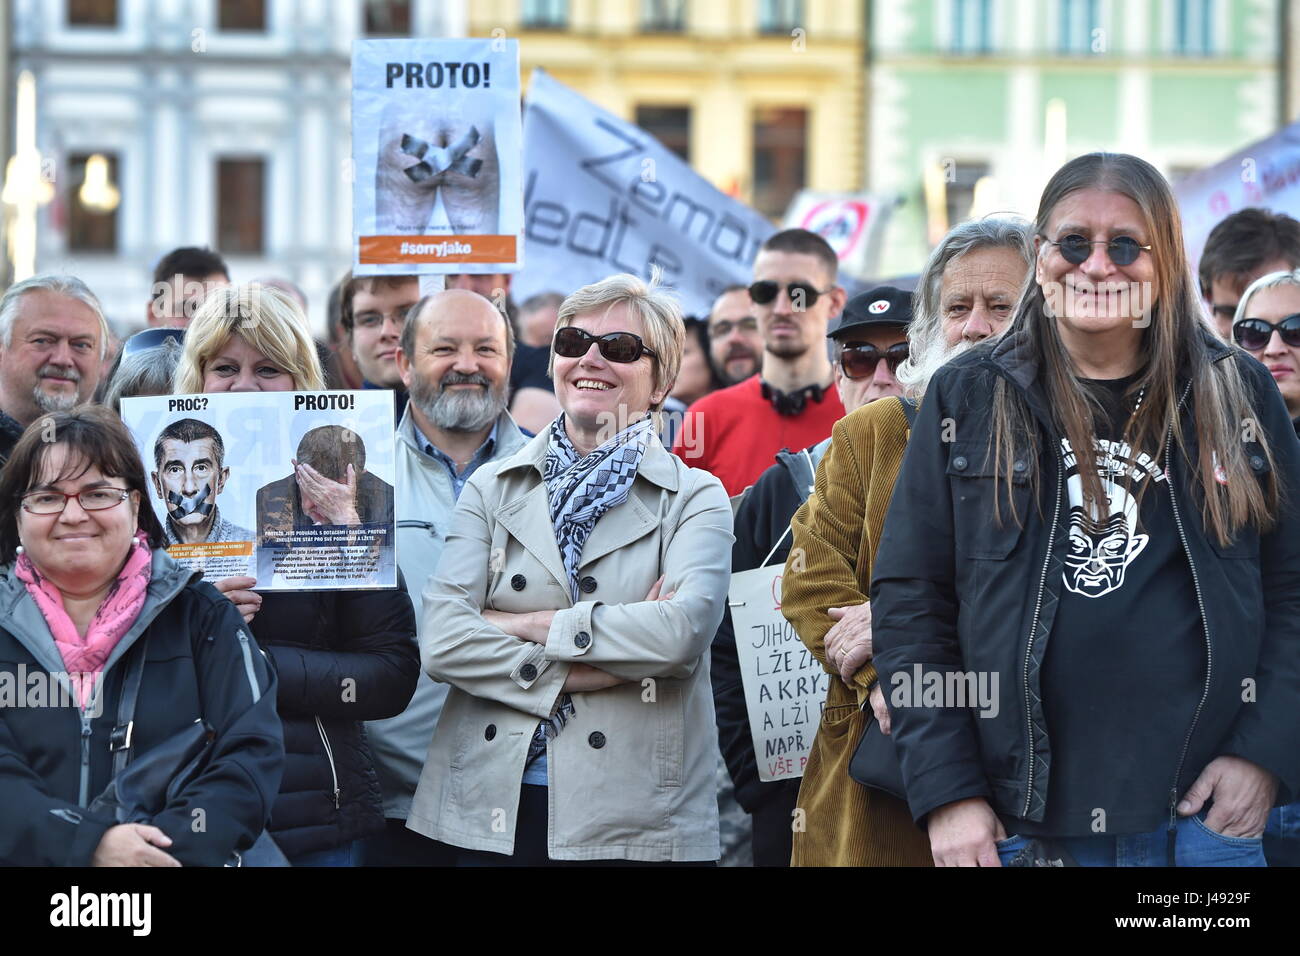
(1282, 836)
(1195, 844)
(335, 856)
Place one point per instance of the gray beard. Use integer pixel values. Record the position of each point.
(458, 411)
(53, 403)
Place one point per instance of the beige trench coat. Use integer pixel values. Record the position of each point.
(632, 774)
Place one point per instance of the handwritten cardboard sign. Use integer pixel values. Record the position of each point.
(785, 686)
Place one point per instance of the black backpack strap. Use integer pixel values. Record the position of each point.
(121, 739)
(909, 409)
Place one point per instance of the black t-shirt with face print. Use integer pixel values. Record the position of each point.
(1125, 661)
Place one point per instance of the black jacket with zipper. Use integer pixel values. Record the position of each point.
(343, 657)
(955, 590)
(200, 663)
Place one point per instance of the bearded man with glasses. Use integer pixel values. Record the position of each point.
(735, 432)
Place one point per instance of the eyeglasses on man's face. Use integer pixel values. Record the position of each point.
(1075, 249)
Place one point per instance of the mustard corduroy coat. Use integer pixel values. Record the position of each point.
(836, 533)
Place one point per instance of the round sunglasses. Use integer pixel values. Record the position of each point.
(860, 361)
(803, 295)
(1253, 334)
(1123, 250)
(621, 347)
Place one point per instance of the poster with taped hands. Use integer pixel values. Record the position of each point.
(294, 489)
(437, 147)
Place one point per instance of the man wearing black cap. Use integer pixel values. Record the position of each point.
(870, 341)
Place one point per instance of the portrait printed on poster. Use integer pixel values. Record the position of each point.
(294, 489)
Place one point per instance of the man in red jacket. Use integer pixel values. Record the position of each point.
(735, 432)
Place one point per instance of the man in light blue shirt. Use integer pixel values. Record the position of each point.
(454, 360)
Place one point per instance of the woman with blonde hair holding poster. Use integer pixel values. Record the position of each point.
(343, 657)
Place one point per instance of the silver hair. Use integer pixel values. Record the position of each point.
(70, 286)
(1268, 281)
(148, 372)
(926, 346)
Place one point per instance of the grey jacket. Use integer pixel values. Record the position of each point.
(424, 504)
(633, 773)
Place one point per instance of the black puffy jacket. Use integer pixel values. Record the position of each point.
(342, 657)
(954, 590)
(54, 759)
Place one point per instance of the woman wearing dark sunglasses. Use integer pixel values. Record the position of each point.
(1088, 520)
(1267, 325)
(582, 581)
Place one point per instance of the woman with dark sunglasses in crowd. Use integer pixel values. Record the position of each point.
(1093, 552)
(582, 580)
(1267, 325)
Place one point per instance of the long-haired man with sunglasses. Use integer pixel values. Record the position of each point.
(870, 341)
(735, 432)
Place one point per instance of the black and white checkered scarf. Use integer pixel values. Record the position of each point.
(580, 489)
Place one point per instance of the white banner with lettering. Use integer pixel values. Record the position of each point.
(1266, 174)
(602, 196)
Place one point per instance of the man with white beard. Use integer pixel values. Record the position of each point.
(52, 342)
(454, 360)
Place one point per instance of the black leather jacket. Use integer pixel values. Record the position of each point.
(954, 590)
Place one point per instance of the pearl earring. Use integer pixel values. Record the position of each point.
(18, 550)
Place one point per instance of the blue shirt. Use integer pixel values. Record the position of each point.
(458, 479)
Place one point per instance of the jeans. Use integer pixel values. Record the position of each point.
(1282, 836)
(334, 856)
(1195, 845)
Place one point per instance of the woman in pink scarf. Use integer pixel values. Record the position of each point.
(86, 583)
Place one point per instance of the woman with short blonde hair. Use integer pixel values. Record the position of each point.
(571, 612)
(265, 319)
(656, 307)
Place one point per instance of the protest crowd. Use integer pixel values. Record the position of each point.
(1016, 653)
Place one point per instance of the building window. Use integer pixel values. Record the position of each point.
(779, 16)
(1078, 20)
(388, 18)
(780, 158)
(1193, 23)
(972, 26)
(663, 16)
(92, 13)
(247, 15)
(960, 193)
(546, 14)
(89, 230)
(241, 206)
(671, 125)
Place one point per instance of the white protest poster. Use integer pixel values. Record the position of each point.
(1265, 174)
(294, 489)
(853, 224)
(436, 146)
(603, 196)
(785, 686)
